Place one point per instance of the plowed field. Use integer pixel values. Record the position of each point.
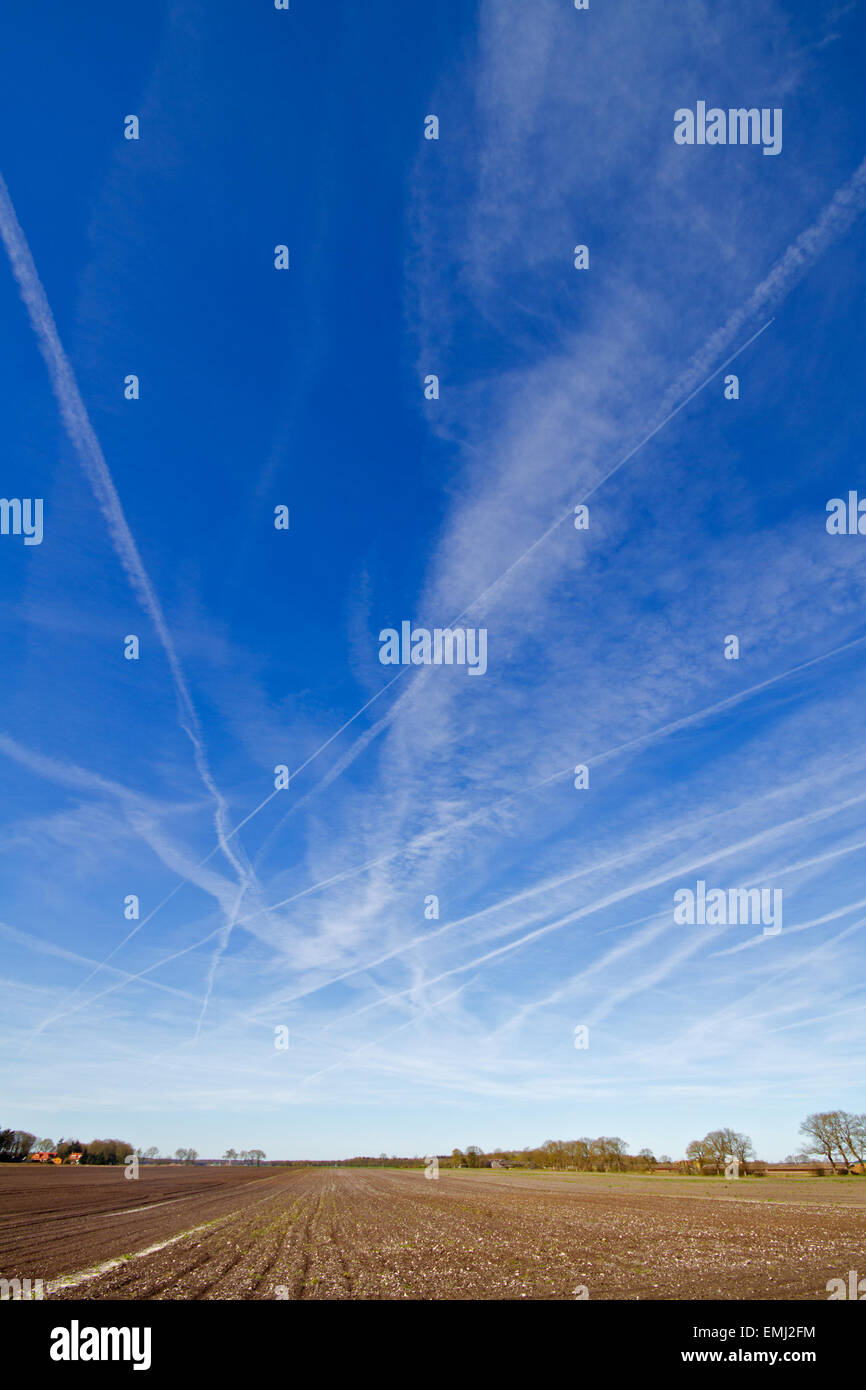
(323, 1233)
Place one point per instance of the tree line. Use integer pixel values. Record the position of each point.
(834, 1137)
(17, 1144)
(837, 1137)
(606, 1154)
(243, 1156)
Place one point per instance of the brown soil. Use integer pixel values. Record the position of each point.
(367, 1234)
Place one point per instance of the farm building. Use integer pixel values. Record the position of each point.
(51, 1156)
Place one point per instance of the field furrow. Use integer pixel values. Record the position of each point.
(324, 1234)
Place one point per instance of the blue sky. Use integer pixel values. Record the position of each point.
(260, 647)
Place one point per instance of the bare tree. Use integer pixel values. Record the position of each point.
(849, 1133)
(580, 1148)
(725, 1144)
(857, 1138)
(554, 1153)
(608, 1153)
(741, 1148)
(820, 1133)
(699, 1152)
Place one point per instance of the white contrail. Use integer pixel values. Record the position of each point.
(92, 460)
(305, 1081)
(48, 948)
(544, 886)
(340, 766)
(89, 451)
(845, 205)
(221, 947)
(141, 813)
(587, 493)
(835, 219)
(725, 1015)
(429, 837)
(632, 890)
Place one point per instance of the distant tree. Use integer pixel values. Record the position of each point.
(607, 1154)
(180, 1155)
(191, 1155)
(699, 1152)
(857, 1135)
(554, 1153)
(110, 1151)
(231, 1155)
(820, 1132)
(456, 1158)
(15, 1145)
(617, 1151)
(257, 1155)
(152, 1152)
(849, 1133)
(741, 1148)
(581, 1150)
(837, 1136)
(725, 1144)
(473, 1156)
(646, 1158)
